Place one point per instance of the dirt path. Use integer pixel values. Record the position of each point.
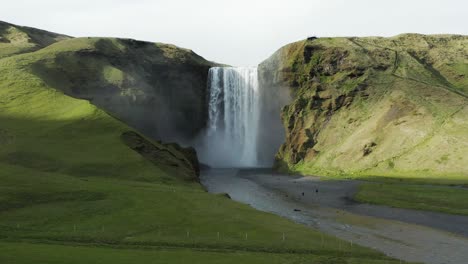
(409, 235)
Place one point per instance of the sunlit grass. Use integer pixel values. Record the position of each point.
(421, 197)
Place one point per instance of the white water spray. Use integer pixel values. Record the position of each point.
(234, 111)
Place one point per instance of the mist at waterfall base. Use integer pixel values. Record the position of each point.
(241, 131)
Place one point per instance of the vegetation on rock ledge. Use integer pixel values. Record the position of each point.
(394, 107)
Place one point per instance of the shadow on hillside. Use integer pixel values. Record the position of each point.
(79, 147)
(164, 97)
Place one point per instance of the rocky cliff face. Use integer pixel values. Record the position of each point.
(275, 93)
(159, 89)
(373, 106)
(170, 157)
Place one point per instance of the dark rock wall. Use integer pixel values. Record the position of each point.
(158, 89)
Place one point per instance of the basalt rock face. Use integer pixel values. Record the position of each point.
(274, 84)
(373, 106)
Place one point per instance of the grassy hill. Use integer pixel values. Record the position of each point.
(75, 191)
(160, 89)
(394, 107)
(17, 39)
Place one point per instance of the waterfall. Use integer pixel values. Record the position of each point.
(234, 110)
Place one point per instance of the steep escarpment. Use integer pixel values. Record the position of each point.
(43, 131)
(374, 106)
(159, 89)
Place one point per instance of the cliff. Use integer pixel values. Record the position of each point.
(159, 89)
(373, 106)
(73, 105)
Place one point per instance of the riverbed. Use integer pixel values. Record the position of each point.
(410, 235)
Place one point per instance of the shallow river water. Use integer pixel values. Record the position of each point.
(409, 235)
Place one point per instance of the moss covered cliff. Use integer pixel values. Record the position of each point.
(374, 106)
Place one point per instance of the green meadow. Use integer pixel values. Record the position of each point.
(72, 192)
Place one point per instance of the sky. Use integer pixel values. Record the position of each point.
(237, 32)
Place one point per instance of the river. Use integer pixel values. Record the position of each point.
(410, 235)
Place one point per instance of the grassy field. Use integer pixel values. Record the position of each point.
(73, 192)
(51, 254)
(445, 199)
(98, 213)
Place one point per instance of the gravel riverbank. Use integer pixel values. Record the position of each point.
(410, 235)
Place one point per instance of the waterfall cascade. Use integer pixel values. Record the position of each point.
(234, 112)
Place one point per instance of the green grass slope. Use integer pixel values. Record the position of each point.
(443, 199)
(17, 39)
(45, 130)
(394, 107)
(45, 253)
(142, 83)
(74, 190)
